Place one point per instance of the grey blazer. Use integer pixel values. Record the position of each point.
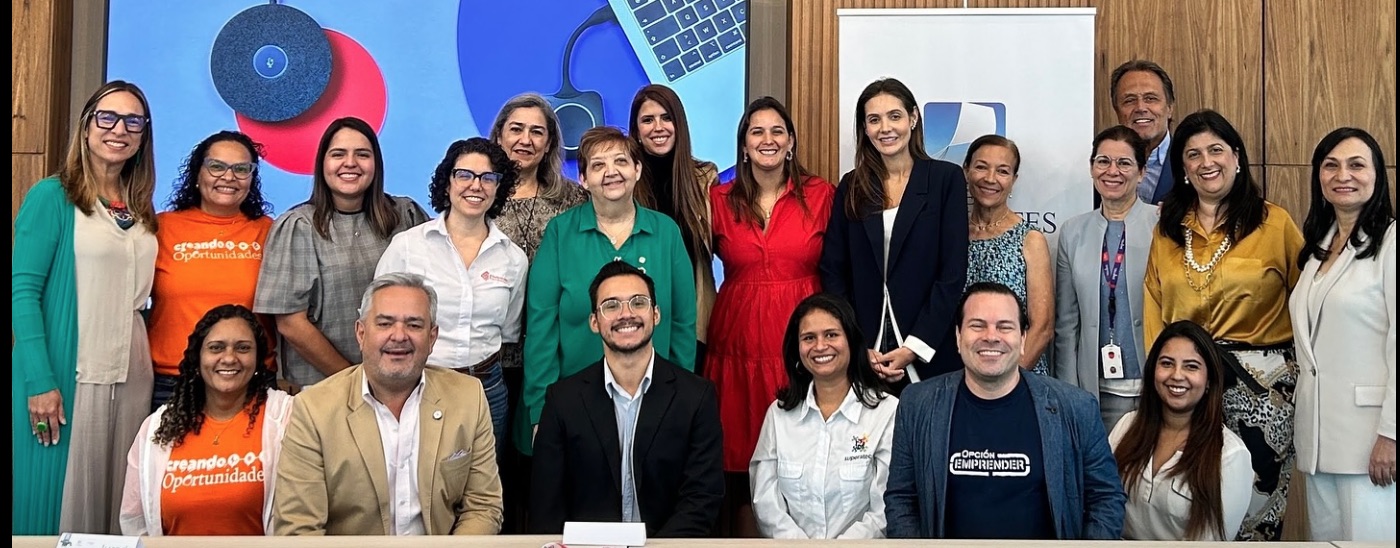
(1077, 281)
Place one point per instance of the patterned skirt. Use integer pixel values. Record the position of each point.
(1259, 408)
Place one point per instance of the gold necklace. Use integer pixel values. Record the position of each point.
(228, 423)
(983, 227)
(1189, 263)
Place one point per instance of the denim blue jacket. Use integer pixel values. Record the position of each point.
(1086, 495)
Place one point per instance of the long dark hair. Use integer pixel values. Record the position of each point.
(1244, 205)
(185, 411)
(1376, 214)
(1200, 459)
(867, 180)
(691, 198)
(186, 194)
(743, 196)
(500, 163)
(138, 175)
(383, 218)
(869, 388)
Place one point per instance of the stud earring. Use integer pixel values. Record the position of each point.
(1237, 169)
(1186, 180)
(746, 157)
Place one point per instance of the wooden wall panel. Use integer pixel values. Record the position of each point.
(1210, 67)
(1331, 64)
(31, 71)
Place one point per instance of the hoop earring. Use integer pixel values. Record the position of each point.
(1237, 169)
(789, 154)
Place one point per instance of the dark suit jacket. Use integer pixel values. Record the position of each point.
(928, 260)
(675, 455)
(1165, 182)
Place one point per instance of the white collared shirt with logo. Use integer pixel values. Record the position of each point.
(401, 442)
(479, 306)
(815, 478)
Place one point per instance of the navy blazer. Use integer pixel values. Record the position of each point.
(1081, 476)
(1165, 182)
(675, 455)
(927, 267)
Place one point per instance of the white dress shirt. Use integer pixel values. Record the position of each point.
(816, 478)
(1161, 504)
(400, 438)
(628, 408)
(479, 305)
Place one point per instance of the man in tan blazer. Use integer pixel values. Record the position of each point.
(430, 425)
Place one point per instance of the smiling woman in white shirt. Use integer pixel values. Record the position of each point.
(823, 453)
(479, 274)
(1187, 476)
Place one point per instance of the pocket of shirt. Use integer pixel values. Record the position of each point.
(790, 477)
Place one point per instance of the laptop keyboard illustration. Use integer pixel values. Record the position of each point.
(685, 35)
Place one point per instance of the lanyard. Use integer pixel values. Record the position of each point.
(1110, 275)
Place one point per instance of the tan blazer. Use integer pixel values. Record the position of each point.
(332, 480)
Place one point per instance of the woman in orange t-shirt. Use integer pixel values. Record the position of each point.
(210, 247)
(215, 444)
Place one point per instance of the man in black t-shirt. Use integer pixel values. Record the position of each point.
(997, 452)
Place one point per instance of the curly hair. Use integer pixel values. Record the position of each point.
(500, 163)
(185, 411)
(186, 193)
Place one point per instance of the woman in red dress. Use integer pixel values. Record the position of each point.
(768, 228)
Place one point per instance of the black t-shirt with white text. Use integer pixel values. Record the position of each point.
(996, 473)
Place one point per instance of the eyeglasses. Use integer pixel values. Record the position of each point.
(106, 119)
(465, 176)
(240, 171)
(1103, 162)
(639, 304)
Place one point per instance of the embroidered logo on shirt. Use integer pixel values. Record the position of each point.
(860, 441)
(216, 249)
(987, 463)
(489, 277)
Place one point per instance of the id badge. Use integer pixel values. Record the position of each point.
(1112, 361)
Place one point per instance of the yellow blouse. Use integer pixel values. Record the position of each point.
(1244, 298)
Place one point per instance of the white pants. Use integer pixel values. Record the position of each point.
(1350, 507)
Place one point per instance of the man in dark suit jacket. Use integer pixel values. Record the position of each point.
(633, 437)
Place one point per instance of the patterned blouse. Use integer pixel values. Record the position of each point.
(1002, 260)
(523, 220)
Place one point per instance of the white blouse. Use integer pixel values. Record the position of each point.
(1160, 505)
(479, 305)
(815, 478)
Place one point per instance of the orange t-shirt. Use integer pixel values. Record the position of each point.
(213, 484)
(202, 261)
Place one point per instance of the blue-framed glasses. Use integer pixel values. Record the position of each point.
(466, 176)
(106, 119)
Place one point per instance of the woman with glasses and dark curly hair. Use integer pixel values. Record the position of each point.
(83, 257)
(215, 444)
(209, 248)
(478, 272)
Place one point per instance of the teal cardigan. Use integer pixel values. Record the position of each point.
(44, 310)
(558, 341)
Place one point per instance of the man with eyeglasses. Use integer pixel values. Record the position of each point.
(632, 438)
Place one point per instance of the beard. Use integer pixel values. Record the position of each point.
(627, 348)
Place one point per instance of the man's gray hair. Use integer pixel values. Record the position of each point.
(400, 279)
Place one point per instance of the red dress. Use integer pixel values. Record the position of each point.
(765, 276)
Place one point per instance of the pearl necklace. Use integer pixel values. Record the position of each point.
(1189, 262)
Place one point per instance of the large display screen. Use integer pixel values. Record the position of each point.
(423, 73)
